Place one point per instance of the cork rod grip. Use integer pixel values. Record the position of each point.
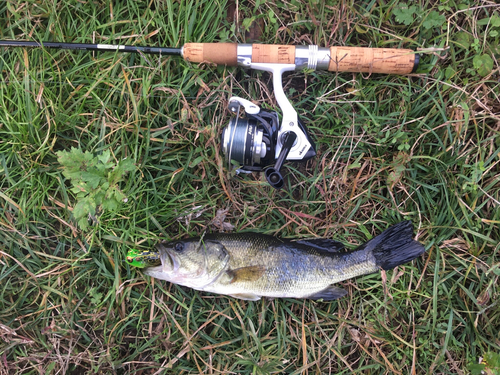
(218, 53)
(372, 60)
(340, 59)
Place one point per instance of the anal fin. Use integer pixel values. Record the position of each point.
(330, 293)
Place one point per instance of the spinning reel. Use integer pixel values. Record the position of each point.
(256, 143)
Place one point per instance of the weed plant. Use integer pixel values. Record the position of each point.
(423, 147)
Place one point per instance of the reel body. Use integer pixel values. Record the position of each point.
(255, 144)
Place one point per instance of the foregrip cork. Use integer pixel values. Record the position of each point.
(337, 59)
(218, 53)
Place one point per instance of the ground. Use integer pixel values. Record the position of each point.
(104, 152)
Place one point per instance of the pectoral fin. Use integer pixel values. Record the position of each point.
(250, 273)
(330, 293)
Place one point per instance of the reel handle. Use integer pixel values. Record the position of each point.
(273, 175)
(335, 59)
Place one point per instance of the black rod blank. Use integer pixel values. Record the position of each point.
(94, 47)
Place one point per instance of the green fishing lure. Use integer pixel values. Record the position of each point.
(143, 258)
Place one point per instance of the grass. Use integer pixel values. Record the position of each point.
(423, 147)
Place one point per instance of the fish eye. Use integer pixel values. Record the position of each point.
(178, 247)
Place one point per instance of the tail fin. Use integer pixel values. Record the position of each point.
(394, 246)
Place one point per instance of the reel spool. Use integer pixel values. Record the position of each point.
(250, 141)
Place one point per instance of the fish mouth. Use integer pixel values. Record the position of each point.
(169, 261)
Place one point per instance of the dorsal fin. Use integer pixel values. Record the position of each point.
(323, 244)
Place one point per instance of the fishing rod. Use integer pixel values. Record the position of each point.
(255, 140)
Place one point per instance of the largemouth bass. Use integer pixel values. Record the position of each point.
(252, 265)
